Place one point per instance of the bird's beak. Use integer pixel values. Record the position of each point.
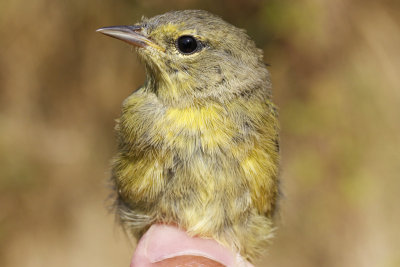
(130, 34)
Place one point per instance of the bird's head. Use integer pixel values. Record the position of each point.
(193, 56)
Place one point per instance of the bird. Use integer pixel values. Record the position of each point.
(198, 143)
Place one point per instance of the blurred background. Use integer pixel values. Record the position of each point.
(335, 71)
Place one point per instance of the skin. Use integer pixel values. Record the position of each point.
(198, 143)
(165, 245)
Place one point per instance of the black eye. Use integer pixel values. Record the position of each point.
(187, 44)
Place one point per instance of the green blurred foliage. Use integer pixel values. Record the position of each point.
(335, 71)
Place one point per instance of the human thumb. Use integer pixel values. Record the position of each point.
(169, 246)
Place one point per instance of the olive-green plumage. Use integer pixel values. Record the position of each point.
(198, 143)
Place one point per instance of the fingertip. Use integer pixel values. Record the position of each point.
(164, 246)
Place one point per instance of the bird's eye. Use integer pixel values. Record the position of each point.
(187, 44)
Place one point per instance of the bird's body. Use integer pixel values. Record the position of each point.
(198, 143)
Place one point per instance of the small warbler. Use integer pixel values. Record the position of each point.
(198, 142)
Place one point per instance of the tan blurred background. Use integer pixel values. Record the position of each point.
(335, 70)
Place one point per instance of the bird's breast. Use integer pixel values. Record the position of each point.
(193, 154)
(187, 130)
